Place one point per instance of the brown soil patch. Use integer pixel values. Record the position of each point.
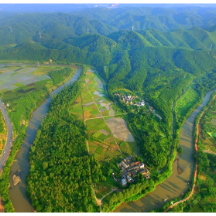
(16, 179)
(202, 177)
(112, 150)
(74, 103)
(109, 140)
(104, 146)
(104, 132)
(87, 114)
(78, 100)
(213, 121)
(31, 84)
(1, 206)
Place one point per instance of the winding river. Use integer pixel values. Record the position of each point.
(182, 171)
(171, 188)
(21, 164)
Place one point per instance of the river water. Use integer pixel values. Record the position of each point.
(21, 164)
(182, 171)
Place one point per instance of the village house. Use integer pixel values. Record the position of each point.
(129, 179)
(123, 182)
(145, 172)
(142, 165)
(131, 169)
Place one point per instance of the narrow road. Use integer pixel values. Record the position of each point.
(7, 147)
(99, 201)
(105, 116)
(196, 166)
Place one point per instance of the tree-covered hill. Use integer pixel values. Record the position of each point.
(159, 18)
(25, 27)
(127, 59)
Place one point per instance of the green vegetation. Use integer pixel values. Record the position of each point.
(208, 126)
(66, 165)
(60, 75)
(180, 150)
(2, 133)
(1, 123)
(185, 102)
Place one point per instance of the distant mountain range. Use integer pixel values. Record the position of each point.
(67, 7)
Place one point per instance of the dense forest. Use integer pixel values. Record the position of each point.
(60, 150)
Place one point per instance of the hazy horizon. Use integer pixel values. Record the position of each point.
(65, 7)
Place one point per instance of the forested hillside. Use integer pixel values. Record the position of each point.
(147, 17)
(149, 61)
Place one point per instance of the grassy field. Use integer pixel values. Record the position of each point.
(186, 101)
(34, 83)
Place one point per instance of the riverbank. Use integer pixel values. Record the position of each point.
(196, 167)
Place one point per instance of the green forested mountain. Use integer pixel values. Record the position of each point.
(25, 27)
(138, 60)
(159, 18)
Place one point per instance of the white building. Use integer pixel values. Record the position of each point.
(142, 165)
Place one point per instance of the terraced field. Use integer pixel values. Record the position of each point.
(108, 135)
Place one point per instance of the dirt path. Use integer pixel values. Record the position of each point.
(1, 206)
(99, 201)
(196, 166)
(209, 152)
(106, 116)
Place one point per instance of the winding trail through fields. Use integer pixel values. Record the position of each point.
(196, 166)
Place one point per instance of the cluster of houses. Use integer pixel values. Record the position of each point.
(130, 100)
(130, 169)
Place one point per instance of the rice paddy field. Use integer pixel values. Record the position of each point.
(108, 135)
(22, 85)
